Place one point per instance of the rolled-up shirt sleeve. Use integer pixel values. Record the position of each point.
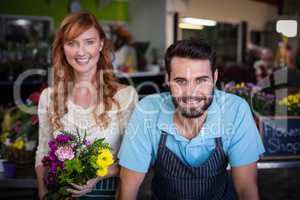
(246, 144)
(136, 150)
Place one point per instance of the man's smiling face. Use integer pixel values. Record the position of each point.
(192, 84)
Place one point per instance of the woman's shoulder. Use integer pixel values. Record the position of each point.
(125, 91)
(45, 96)
(126, 94)
(47, 92)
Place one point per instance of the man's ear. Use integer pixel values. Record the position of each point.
(216, 75)
(167, 80)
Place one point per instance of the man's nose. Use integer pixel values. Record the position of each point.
(190, 89)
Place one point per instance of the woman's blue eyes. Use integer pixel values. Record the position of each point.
(72, 43)
(90, 42)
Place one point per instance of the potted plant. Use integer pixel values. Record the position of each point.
(19, 136)
(279, 130)
(261, 102)
(2, 153)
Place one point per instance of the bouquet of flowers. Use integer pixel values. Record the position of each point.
(74, 159)
(260, 101)
(292, 102)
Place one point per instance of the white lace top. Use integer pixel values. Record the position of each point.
(82, 119)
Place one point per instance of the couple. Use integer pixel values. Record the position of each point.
(188, 135)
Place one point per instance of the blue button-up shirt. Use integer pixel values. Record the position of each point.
(229, 117)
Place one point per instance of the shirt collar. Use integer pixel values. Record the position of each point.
(210, 129)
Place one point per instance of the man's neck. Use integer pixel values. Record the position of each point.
(189, 127)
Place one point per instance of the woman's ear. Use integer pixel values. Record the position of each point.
(101, 45)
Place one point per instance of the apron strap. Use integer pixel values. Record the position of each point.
(163, 139)
(218, 142)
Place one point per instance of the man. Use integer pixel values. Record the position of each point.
(189, 135)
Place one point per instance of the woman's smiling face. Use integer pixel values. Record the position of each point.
(83, 52)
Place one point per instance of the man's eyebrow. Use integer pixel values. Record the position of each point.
(202, 77)
(179, 78)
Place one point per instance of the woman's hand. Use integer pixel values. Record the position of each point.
(42, 194)
(80, 190)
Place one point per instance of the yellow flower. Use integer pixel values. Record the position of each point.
(290, 98)
(105, 158)
(102, 171)
(18, 144)
(3, 137)
(242, 84)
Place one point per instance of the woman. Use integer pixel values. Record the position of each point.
(85, 96)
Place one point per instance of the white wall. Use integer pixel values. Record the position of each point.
(147, 22)
(152, 20)
(255, 13)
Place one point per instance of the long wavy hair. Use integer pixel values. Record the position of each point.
(106, 84)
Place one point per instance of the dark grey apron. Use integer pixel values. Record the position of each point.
(173, 179)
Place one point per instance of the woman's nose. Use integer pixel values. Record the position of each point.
(80, 50)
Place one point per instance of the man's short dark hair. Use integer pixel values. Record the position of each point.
(190, 48)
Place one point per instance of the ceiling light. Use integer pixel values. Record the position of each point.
(190, 26)
(21, 22)
(198, 21)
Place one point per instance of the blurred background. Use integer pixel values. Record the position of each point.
(257, 59)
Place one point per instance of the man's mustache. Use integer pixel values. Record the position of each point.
(191, 98)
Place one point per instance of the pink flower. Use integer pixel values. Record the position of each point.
(65, 152)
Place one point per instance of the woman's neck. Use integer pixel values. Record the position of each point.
(85, 77)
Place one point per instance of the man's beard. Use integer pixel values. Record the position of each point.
(193, 112)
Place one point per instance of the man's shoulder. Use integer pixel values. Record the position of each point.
(228, 100)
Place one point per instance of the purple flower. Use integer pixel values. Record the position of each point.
(63, 138)
(46, 161)
(270, 97)
(52, 145)
(53, 167)
(87, 143)
(16, 127)
(52, 157)
(65, 152)
(229, 85)
(250, 85)
(50, 179)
